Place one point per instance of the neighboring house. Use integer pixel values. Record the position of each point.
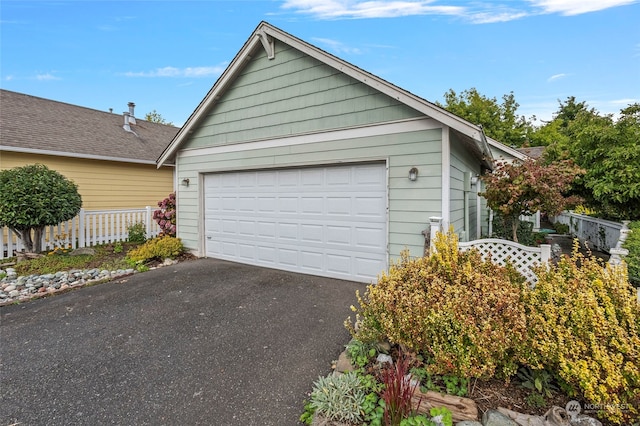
(298, 160)
(111, 157)
(534, 152)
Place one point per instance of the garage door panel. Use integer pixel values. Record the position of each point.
(288, 205)
(266, 229)
(340, 235)
(368, 237)
(327, 221)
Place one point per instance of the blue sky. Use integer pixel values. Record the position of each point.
(166, 55)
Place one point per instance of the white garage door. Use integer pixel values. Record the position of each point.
(329, 221)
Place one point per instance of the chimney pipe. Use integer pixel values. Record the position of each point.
(127, 122)
(132, 117)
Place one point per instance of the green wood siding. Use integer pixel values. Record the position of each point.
(410, 203)
(292, 94)
(461, 162)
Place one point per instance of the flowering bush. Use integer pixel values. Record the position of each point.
(165, 216)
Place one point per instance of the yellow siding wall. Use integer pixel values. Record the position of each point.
(104, 184)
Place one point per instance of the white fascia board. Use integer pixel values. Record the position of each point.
(77, 155)
(514, 152)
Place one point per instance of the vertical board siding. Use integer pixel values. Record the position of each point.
(104, 185)
(410, 203)
(292, 94)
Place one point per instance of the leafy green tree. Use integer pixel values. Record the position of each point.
(155, 117)
(523, 188)
(34, 197)
(499, 120)
(608, 150)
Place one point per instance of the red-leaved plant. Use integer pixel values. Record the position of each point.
(398, 391)
(165, 216)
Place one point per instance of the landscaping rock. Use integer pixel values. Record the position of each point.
(344, 364)
(584, 420)
(496, 418)
(468, 423)
(83, 251)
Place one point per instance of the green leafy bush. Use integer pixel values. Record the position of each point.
(584, 324)
(339, 398)
(157, 248)
(464, 315)
(633, 258)
(137, 232)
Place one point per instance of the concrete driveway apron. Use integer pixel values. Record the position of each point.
(202, 342)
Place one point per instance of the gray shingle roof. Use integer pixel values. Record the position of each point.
(37, 125)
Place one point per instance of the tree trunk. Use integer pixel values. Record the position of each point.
(514, 226)
(31, 245)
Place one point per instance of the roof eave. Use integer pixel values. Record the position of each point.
(77, 155)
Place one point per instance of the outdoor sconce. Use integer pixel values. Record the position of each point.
(185, 182)
(474, 180)
(413, 174)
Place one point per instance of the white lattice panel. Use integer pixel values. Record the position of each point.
(523, 258)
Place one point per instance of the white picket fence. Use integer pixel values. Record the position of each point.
(601, 234)
(89, 228)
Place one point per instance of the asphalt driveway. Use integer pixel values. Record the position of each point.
(201, 342)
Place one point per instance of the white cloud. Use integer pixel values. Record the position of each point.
(190, 72)
(556, 77)
(335, 9)
(492, 17)
(577, 7)
(337, 46)
(46, 77)
(623, 102)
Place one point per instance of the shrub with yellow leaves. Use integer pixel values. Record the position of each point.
(157, 248)
(463, 314)
(584, 323)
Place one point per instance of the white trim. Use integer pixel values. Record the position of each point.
(403, 126)
(478, 211)
(76, 155)
(513, 152)
(446, 178)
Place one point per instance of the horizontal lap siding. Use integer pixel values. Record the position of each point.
(410, 203)
(104, 184)
(292, 94)
(462, 161)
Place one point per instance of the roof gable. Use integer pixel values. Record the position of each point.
(265, 37)
(42, 126)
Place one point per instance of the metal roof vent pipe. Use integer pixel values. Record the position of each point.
(132, 116)
(127, 123)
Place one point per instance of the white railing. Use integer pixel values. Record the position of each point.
(601, 234)
(89, 228)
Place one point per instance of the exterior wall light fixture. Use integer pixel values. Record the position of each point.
(413, 174)
(185, 182)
